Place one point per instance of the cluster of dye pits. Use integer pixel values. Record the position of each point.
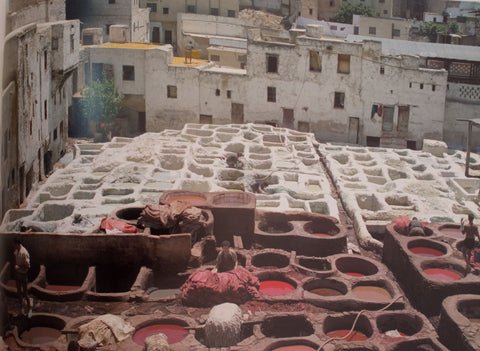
(290, 238)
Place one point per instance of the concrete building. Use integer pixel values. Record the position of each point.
(103, 14)
(40, 62)
(326, 9)
(330, 29)
(391, 28)
(278, 7)
(163, 15)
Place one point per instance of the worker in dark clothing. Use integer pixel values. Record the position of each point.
(415, 228)
(226, 259)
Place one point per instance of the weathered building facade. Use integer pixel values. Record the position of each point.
(39, 75)
(392, 28)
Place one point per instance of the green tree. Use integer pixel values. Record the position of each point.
(347, 10)
(100, 101)
(431, 29)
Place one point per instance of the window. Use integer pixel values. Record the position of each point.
(152, 6)
(31, 127)
(108, 28)
(381, 1)
(172, 91)
(272, 63)
(45, 59)
(372, 30)
(72, 42)
(229, 94)
(387, 125)
(403, 118)
(303, 127)
(214, 11)
(54, 43)
(217, 92)
(111, 1)
(55, 134)
(333, 27)
(271, 94)
(343, 64)
(242, 58)
(128, 72)
(45, 112)
(385, 12)
(373, 141)
(421, 85)
(214, 57)
(310, 12)
(191, 9)
(5, 145)
(396, 32)
(87, 39)
(332, 3)
(315, 61)
(382, 70)
(61, 129)
(433, 87)
(231, 13)
(339, 100)
(166, 11)
(206, 119)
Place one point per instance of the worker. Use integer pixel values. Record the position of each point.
(415, 228)
(226, 259)
(471, 231)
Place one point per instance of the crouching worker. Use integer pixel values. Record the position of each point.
(415, 228)
(226, 259)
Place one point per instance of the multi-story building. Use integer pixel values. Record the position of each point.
(163, 15)
(104, 13)
(326, 9)
(392, 28)
(40, 61)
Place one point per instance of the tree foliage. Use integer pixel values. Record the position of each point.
(347, 10)
(100, 101)
(431, 29)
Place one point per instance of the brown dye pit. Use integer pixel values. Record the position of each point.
(326, 292)
(371, 293)
(354, 336)
(442, 274)
(40, 335)
(275, 287)
(175, 333)
(192, 200)
(452, 232)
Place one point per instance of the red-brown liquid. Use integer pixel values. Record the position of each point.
(191, 199)
(452, 232)
(371, 293)
(322, 235)
(354, 336)
(426, 251)
(174, 333)
(62, 287)
(442, 274)
(326, 292)
(275, 287)
(354, 274)
(40, 335)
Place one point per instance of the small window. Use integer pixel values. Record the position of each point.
(382, 70)
(332, 3)
(339, 100)
(229, 94)
(191, 9)
(5, 145)
(271, 94)
(315, 61)
(396, 32)
(242, 58)
(172, 91)
(55, 134)
(385, 12)
(31, 127)
(61, 128)
(152, 6)
(310, 12)
(373, 141)
(111, 1)
(214, 11)
(372, 30)
(433, 87)
(107, 26)
(343, 64)
(87, 39)
(215, 58)
(217, 92)
(381, 1)
(72, 42)
(231, 13)
(410, 85)
(54, 43)
(272, 63)
(166, 11)
(206, 119)
(128, 72)
(333, 27)
(45, 59)
(45, 112)
(421, 85)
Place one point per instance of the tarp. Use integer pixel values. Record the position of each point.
(205, 288)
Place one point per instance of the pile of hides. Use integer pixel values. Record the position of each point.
(401, 225)
(173, 218)
(106, 330)
(224, 326)
(205, 288)
(115, 226)
(156, 342)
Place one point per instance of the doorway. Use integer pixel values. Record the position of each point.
(237, 113)
(288, 119)
(353, 127)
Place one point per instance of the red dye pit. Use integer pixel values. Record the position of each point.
(322, 235)
(354, 274)
(371, 293)
(354, 336)
(452, 232)
(40, 335)
(192, 200)
(442, 274)
(12, 283)
(294, 348)
(174, 333)
(326, 292)
(426, 251)
(275, 287)
(62, 287)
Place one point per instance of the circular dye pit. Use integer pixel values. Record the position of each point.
(426, 251)
(191, 199)
(452, 232)
(175, 333)
(355, 267)
(321, 235)
(354, 274)
(326, 292)
(40, 335)
(294, 348)
(275, 287)
(442, 274)
(61, 287)
(354, 336)
(371, 293)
